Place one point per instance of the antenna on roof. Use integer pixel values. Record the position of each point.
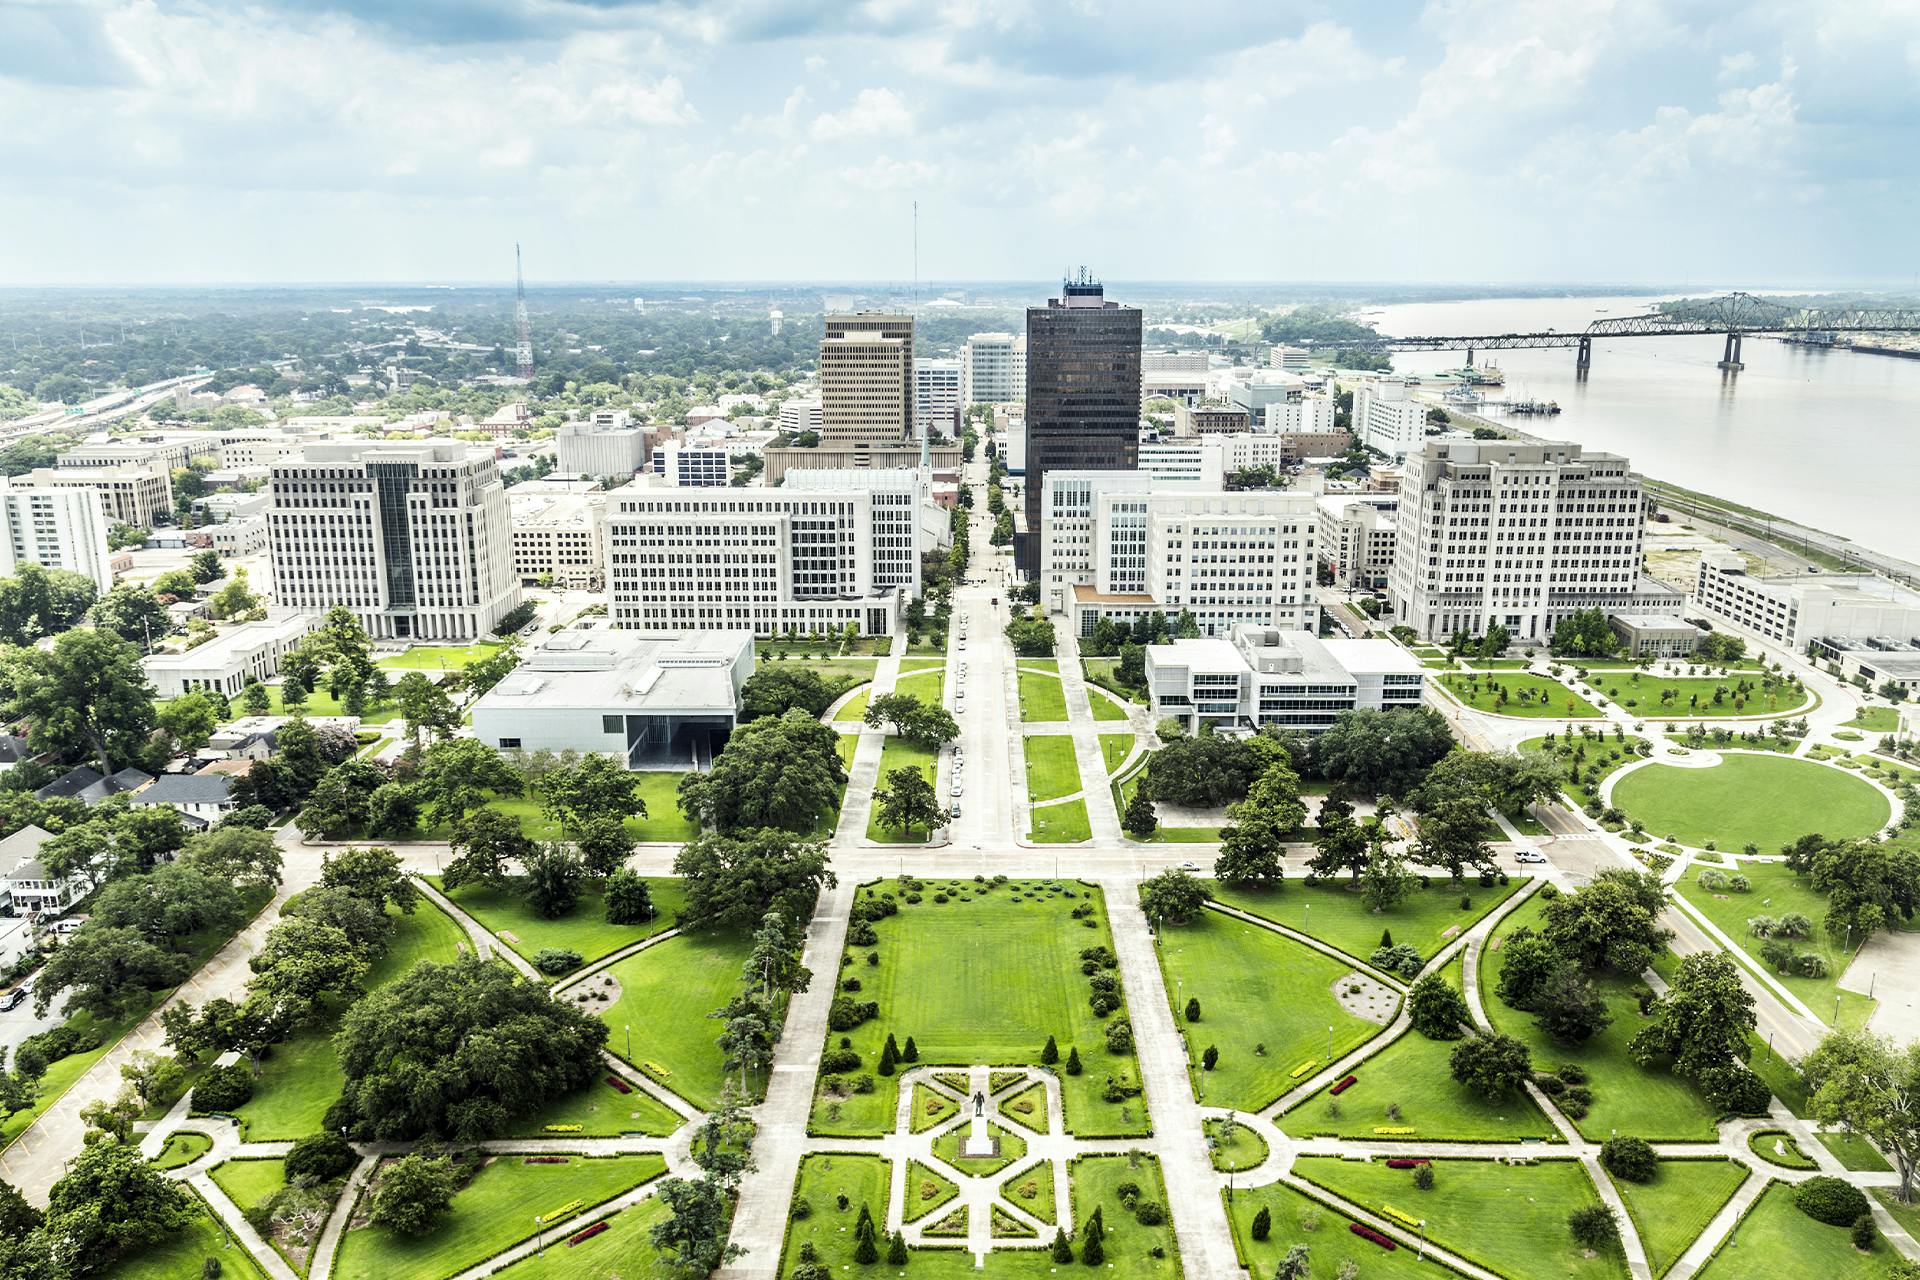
(913, 302)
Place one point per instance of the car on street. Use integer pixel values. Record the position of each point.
(14, 998)
(1189, 865)
(1529, 855)
(956, 789)
(955, 811)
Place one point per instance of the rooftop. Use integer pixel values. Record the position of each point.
(1373, 657)
(20, 849)
(607, 669)
(232, 644)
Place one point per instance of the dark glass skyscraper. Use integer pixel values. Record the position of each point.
(1083, 394)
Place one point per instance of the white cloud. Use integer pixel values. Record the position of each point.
(874, 113)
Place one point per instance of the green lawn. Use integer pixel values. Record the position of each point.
(301, 1078)
(1414, 1075)
(1104, 707)
(1114, 749)
(1876, 719)
(1519, 694)
(1042, 697)
(1129, 1245)
(984, 978)
(183, 1256)
(438, 657)
(854, 709)
(898, 753)
(492, 1212)
(506, 914)
(1692, 697)
(659, 790)
(1593, 760)
(1051, 768)
(1099, 671)
(924, 685)
(1853, 1152)
(666, 993)
(1777, 891)
(1063, 823)
(1648, 1102)
(182, 1147)
(1777, 1146)
(824, 1177)
(1669, 1212)
(1230, 966)
(601, 1111)
(1767, 800)
(322, 703)
(1298, 1219)
(1775, 1236)
(1036, 1181)
(1428, 918)
(251, 1182)
(1012, 1148)
(1244, 1149)
(1508, 1218)
(623, 1250)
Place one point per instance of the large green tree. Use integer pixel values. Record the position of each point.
(1614, 922)
(1703, 1021)
(595, 787)
(905, 800)
(1173, 895)
(780, 772)
(111, 1201)
(85, 696)
(1252, 846)
(38, 602)
(133, 613)
(732, 881)
(246, 857)
(1382, 752)
(1870, 887)
(457, 775)
(107, 970)
(486, 844)
(1870, 1085)
(778, 687)
(169, 902)
(918, 722)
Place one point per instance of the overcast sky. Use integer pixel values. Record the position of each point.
(1466, 140)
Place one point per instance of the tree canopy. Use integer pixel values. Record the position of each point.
(732, 881)
(1382, 752)
(85, 697)
(783, 771)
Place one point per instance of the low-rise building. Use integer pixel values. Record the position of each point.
(201, 799)
(219, 507)
(782, 462)
(232, 659)
(166, 452)
(559, 538)
(800, 413)
(89, 786)
(1661, 635)
(606, 444)
(1794, 610)
(649, 699)
(1357, 534)
(135, 495)
(26, 884)
(1210, 419)
(246, 537)
(1258, 676)
(693, 466)
(1874, 668)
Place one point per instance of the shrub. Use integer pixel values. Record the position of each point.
(1734, 1088)
(223, 1088)
(1572, 1073)
(554, 961)
(1073, 1061)
(1810, 965)
(838, 1061)
(320, 1157)
(1593, 1227)
(1630, 1158)
(1864, 1233)
(1050, 1054)
(861, 934)
(1398, 958)
(802, 1208)
(845, 1014)
(1262, 1225)
(1193, 1009)
(1119, 1036)
(1128, 1194)
(1777, 954)
(1150, 1213)
(1209, 1057)
(1830, 1200)
(1739, 884)
(1423, 1177)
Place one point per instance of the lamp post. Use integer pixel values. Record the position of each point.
(629, 1029)
(1231, 1166)
(537, 1250)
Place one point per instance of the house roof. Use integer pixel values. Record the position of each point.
(21, 849)
(188, 788)
(86, 783)
(14, 749)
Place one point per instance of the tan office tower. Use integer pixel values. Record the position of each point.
(866, 379)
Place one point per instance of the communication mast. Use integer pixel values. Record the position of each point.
(522, 331)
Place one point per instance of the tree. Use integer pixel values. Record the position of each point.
(38, 602)
(1173, 895)
(110, 1201)
(1438, 1011)
(1385, 880)
(235, 598)
(255, 700)
(1869, 886)
(133, 613)
(145, 837)
(298, 762)
(1295, 1265)
(776, 688)
(553, 876)
(1612, 923)
(780, 772)
(1584, 633)
(106, 970)
(1450, 837)
(1566, 1006)
(485, 844)
(1382, 752)
(516, 618)
(457, 774)
(85, 695)
(1206, 769)
(413, 1192)
(1139, 819)
(205, 567)
(176, 584)
(304, 961)
(482, 675)
(393, 809)
(1871, 1085)
(918, 722)
(731, 882)
(596, 787)
(906, 800)
(1703, 1021)
(694, 1231)
(604, 843)
(341, 803)
(1527, 962)
(320, 1157)
(1593, 1227)
(1630, 1158)
(1030, 637)
(459, 1050)
(1251, 847)
(746, 1039)
(425, 707)
(629, 900)
(1492, 1065)
(246, 857)
(1062, 1250)
(371, 874)
(168, 903)
(1340, 844)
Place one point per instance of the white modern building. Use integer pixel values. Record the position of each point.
(693, 466)
(800, 413)
(233, 658)
(413, 537)
(1387, 417)
(993, 369)
(661, 699)
(1357, 533)
(1519, 535)
(165, 452)
(1796, 610)
(1292, 359)
(605, 444)
(1120, 544)
(936, 398)
(559, 538)
(1191, 459)
(62, 528)
(139, 495)
(1180, 376)
(827, 548)
(1257, 676)
(235, 538)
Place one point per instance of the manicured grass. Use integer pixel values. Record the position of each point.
(1427, 919)
(1128, 1243)
(322, 703)
(1099, 671)
(1114, 749)
(1777, 1146)
(824, 1177)
(601, 1111)
(1876, 719)
(1692, 697)
(507, 916)
(659, 790)
(1776, 1238)
(898, 753)
(1761, 799)
(492, 1212)
(1518, 694)
(1414, 1074)
(1012, 1148)
(926, 1191)
(249, 1183)
(1592, 759)
(1777, 891)
(1040, 664)
(984, 978)
(301, 1077)
(924, 685)
(623, 1250)
(438, 657)
(1243, 1149)
(1648, 1102)
(1230, 965)
(183, 1256)
(1104, 707)
(1037, 1182)
(1296, 1218)
(1051, 768)
(930, 1108)
(182, 1147)
(666, 993)
(1669, 1212)
(854, 709)
(1042, 697)
(922, 664)
(1509, 1218)
(1853, 1152)
(1063, 823)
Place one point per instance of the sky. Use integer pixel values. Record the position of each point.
(1767, 143)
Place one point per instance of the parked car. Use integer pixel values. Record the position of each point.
(1529, 855)
(955, 812)
(16, 997)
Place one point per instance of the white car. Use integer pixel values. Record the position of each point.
(955, 811)
(956, 789)
(1189, 865)
(963, 642)
(1529, 855)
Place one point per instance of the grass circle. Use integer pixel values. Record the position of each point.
(1759, 799)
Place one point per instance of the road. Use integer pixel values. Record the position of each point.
(101, 409)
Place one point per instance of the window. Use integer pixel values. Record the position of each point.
(611, 724)
(509, 744)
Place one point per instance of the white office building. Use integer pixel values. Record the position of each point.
(800, 413)
(1192, 459)
(1257, 676)
(606, 444)
(413, 537)
(936, 397)
(693, 466)
(139, 495)
(238, 538)
(827, 548)
(1519, 535)
(1387, 417)
(60, 528)
(1120, 544)
(1292, 359)
(993, 369)
(559, 538)
(235, 657)
(1847, 610)
(168, 452)
(1357, 533)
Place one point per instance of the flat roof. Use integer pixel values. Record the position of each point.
(1084, 594)
(1373, 657)
(1211, 653)
(228, 645)
(614, 670)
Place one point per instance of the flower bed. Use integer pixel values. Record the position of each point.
(1406, 1162)
(1368, 1233)
(1344, 1085)
(619, 1084)
(586, 1235)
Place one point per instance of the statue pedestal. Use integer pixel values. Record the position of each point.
(979, 1142)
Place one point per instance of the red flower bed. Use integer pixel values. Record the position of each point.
(1368, 1233)
(588, 1234)
(1404, 1162)
(1344, 1085)
(620, 1084)
(544, 1160)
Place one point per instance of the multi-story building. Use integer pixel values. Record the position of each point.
(1194, 460)
(866, 379)
(413, 537)
(1357, 532)
(1083, 396)
(828, 548)
(231, 660)
(1121, 544)
(246, 536)
(993, 369)
(1292, 359)
(1519, 535)
(1798, 610)
(936, 398)
(693, 466)
(168, 452)
(1268, 675)
(559, 538)
(800, 413)
(57, 529)
(1387, 417)
(259, 448)
(137, 495)
(1210, 419)
(606, 444)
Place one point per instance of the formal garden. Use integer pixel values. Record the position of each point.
(1518, 694)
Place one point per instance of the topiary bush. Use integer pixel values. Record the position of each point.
(223, 1088)
(1630, 1158)
(1829, 1200)
(554, 961)
(321, 1157)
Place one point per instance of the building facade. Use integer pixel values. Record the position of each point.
(606, 444)
(1387, 417)
(141, 496)
(413, 537)
(61, 528)
(1257, 676)
(1210, 419)
(233, 659)
(1357, 534)
(1796, 610)
(866, 379)
(936, 398)
(559, 538)
(693, 466)
(800, 413)
(993, 369)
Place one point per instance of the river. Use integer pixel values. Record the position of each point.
(1779, 435)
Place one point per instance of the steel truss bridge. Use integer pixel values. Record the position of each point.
(1735, 315)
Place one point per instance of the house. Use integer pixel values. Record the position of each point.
(28, 887)
(201, 799)
(89, 786)
(13, 751)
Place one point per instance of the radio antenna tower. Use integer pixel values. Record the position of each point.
(522, 331)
